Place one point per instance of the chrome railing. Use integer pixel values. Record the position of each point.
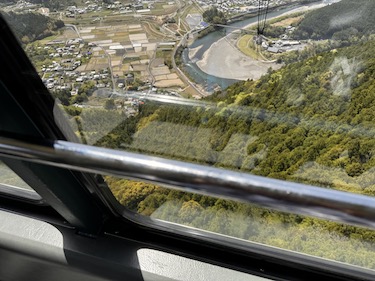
(276, 194)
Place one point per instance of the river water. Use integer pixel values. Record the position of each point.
(210, 82)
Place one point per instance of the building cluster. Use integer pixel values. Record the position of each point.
(62, 74)
(239, 6)
(72, 11)
(118, 7)
(281, 46)
(137, 6)
(284, 44)
(130, 7)
(20, 6)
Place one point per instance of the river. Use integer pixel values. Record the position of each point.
(202, 45)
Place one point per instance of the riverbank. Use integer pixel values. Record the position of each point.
(223, 59)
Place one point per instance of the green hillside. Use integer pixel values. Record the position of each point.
(340, 20)
(320, 110)
(311, 122)
(29, 27)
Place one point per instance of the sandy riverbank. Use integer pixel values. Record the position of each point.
(224, 60)
(193, 51)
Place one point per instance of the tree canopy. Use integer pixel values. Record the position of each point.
(30, 26)
(342, 19)
(214, 16)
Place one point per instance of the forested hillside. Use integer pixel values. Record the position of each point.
(320, 111)
(30, 26)
(339, 21)
(311, 121)
(54, 5)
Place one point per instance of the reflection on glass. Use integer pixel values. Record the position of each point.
(306, 235)
(11, 179)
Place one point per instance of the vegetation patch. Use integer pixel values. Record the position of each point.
(340, 20)
(29, 27)
(248, 47)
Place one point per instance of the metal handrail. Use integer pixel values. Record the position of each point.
(279, 195)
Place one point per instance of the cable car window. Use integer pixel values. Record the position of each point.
(12, 184)
(9, 178)
(280, 89)
(246, 222)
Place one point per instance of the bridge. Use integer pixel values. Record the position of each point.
(236, 28)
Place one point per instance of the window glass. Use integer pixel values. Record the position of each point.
(10, 178)
(248, 223)
(282, 89)
(11, 184)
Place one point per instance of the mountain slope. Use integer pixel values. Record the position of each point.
(311, 121)
(318, 110)
(339, 20)
(31, 26)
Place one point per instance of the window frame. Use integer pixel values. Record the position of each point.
(85, 206)
(21, 194)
